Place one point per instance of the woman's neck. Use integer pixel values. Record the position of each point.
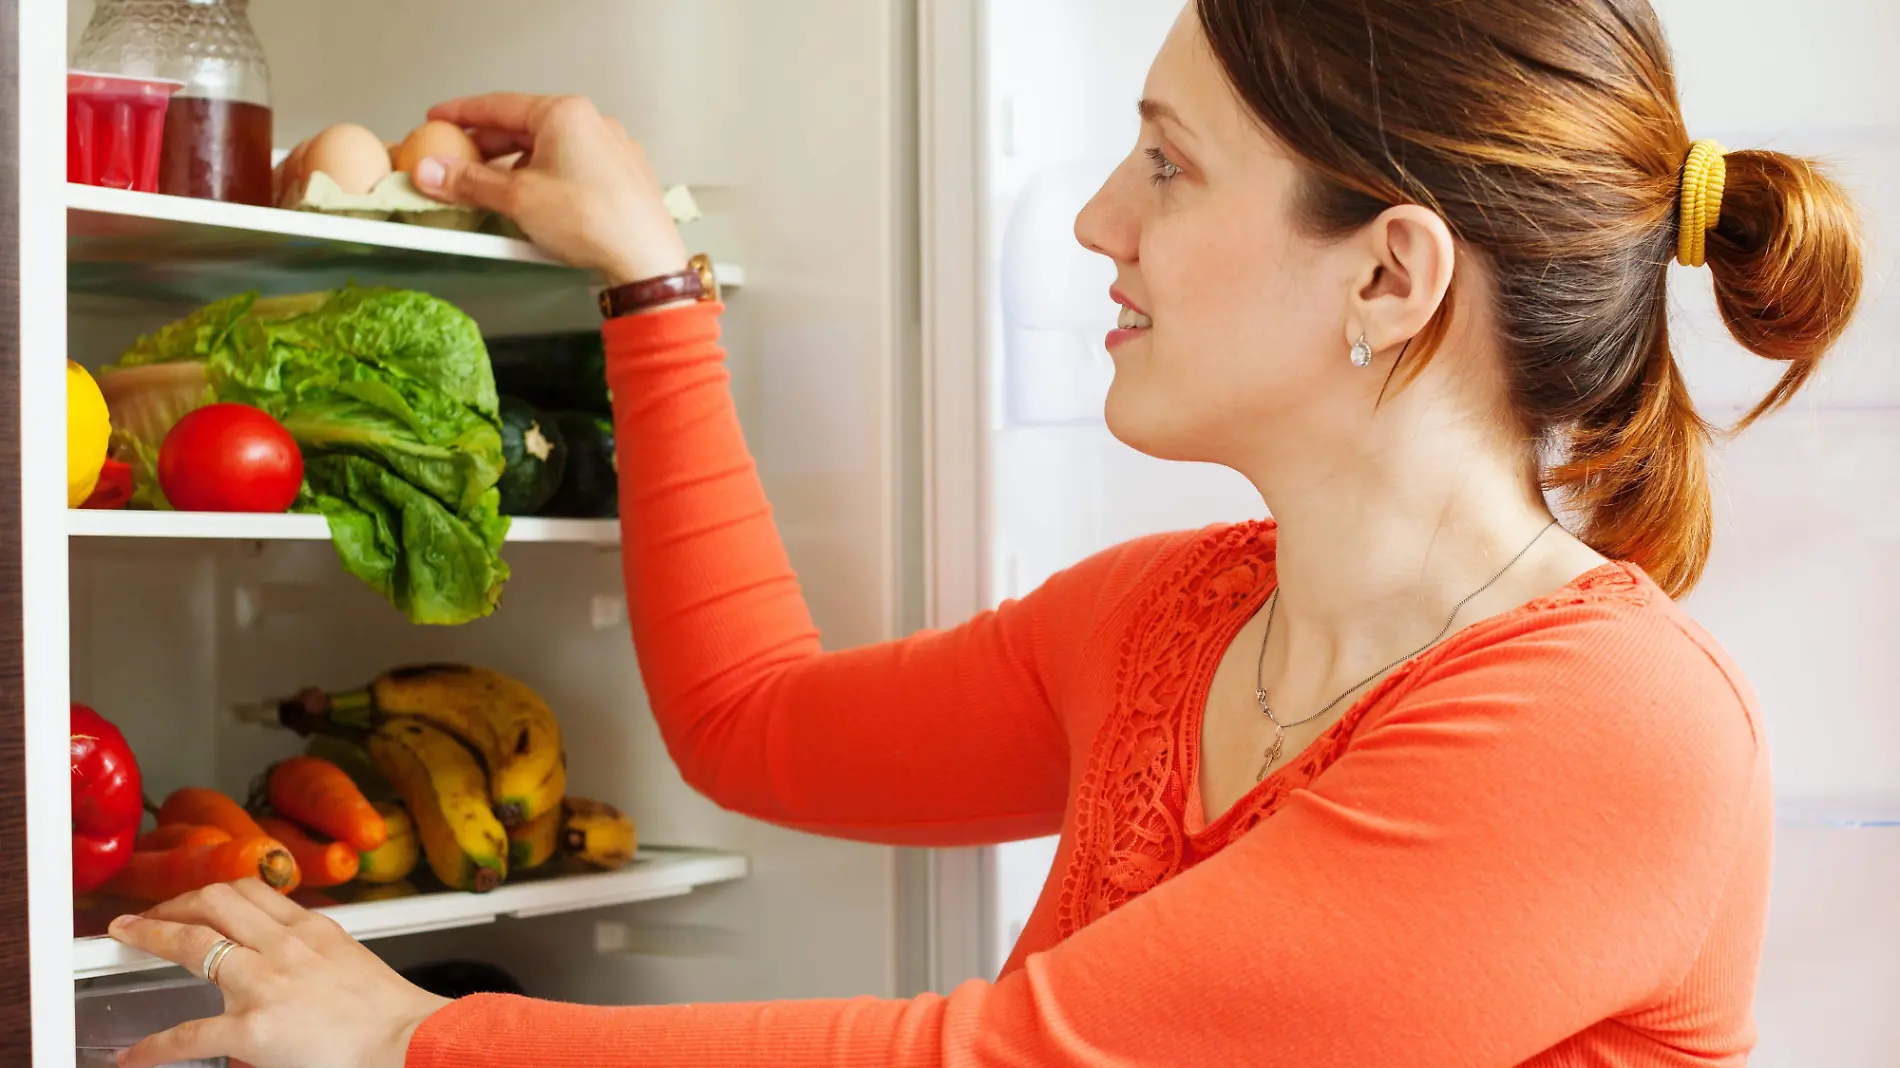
(1377, 543)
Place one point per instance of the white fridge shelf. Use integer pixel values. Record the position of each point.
(239, 526)
(654, 874)
(126, 244)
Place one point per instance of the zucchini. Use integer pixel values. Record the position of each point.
(591, 487)
(534, 457)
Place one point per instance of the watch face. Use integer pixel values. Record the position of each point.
(708, 282)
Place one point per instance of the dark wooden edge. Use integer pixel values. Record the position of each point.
(16, 1007)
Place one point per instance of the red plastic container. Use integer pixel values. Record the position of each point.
(115, 127)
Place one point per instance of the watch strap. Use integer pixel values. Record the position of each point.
(695, 283)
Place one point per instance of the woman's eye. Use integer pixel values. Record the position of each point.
(1165, 168)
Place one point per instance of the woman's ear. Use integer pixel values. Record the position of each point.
(1409, 264)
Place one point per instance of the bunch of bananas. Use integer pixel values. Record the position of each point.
(476, 760)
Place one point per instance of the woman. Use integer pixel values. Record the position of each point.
(1415, 776)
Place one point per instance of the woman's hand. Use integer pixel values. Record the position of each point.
(298, 992)
(580, 187)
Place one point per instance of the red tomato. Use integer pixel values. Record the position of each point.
(229, 458)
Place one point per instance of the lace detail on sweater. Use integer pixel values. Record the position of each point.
(1130, 830)
(1129, 833)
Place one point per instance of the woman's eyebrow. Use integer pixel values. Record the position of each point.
(1155, 111)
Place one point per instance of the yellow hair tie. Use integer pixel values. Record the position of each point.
(1703, 177)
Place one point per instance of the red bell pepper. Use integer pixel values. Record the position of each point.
(114, 489)
(108, 800)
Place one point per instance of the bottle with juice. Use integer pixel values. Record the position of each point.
(216, 143)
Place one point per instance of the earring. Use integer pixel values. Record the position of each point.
(1362, 352)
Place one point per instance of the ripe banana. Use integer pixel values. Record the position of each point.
(500, 718)
(534, 843)
(598, 833)
(443, 789)
(396, 858)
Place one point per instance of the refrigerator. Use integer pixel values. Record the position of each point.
(1801, 584)
(794, 126)
(887, 188)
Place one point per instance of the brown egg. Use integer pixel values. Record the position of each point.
(287, 177)
(352, 156)
(435, 138)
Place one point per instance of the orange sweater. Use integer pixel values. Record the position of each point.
(1545, 842)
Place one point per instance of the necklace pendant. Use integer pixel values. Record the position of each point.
(1272, 754)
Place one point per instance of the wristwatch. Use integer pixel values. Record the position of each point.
(695, 283)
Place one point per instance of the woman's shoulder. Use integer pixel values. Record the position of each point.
(1609, 658)
(1614, 618)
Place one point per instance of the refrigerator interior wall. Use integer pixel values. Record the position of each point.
(781, 119)
(1803, 580)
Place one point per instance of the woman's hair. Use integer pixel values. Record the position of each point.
(1548, 136)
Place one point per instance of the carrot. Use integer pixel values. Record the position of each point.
(173, 835)
(324, 864)
(208, 808)
(321, 796)
(161, 875)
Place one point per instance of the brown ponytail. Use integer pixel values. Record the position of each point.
(1787, 264)
(1548, 136)
(1635, 471)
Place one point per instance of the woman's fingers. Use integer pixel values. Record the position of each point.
(270, 902)
(518, 112)
(493, 143)
(224, 909)
(184, 944)
(589, 197)
(463, 182)
(194, 1040)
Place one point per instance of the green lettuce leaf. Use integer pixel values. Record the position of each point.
(412, 334)
(390, 396)
(434, 565)
(195, 337)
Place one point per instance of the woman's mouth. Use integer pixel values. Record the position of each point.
(1132, 324)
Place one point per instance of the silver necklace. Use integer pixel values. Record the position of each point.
(1260, 664)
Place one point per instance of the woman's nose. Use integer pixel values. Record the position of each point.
(1108, 223)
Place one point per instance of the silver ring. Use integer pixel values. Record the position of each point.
(214, 959)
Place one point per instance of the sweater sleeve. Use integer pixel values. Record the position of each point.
(1522, 846)
(950, 738)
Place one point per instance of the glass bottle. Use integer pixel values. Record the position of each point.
(217, 138)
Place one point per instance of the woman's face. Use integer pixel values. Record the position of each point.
(1239, 317)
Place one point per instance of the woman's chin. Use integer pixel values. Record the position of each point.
(1135, 421)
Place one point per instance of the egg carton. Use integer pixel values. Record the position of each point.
(395, 197)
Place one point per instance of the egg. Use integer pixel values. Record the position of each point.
(435, 138)
(352, 156)
(287, 177)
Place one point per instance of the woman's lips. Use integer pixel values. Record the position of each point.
(1133, 322)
